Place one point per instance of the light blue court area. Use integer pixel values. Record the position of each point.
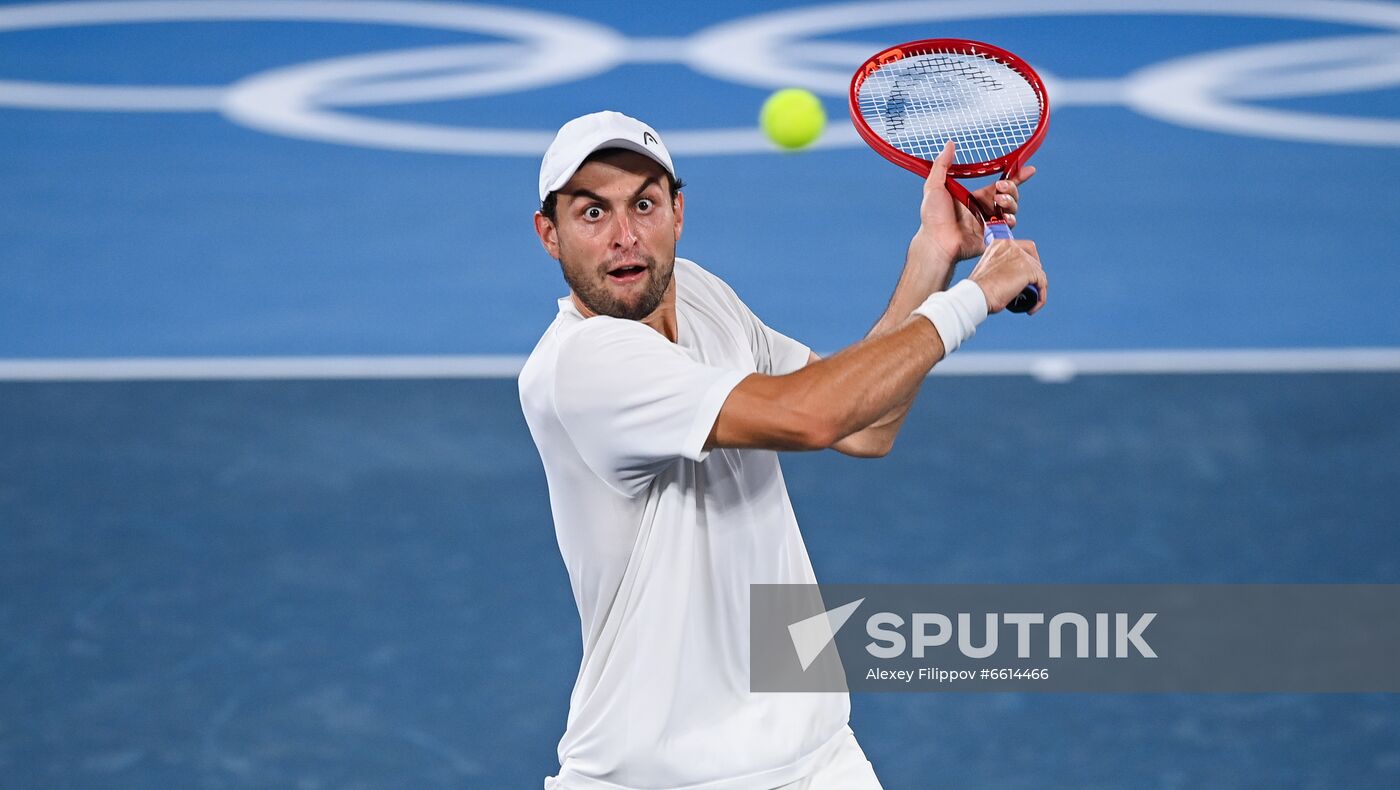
(269, 514)
(206, 178)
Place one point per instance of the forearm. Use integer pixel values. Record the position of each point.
(928, 268)
(877, 439)
(870, 387)
(815, 407)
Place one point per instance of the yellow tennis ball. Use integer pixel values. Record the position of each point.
(792, 117)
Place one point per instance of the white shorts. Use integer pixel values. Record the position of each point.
(845, 768)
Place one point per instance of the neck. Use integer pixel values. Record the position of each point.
(662, 319)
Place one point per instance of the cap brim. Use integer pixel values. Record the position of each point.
(617, 142)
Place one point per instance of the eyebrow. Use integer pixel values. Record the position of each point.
(594, 196)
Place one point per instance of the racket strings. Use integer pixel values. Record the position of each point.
(919, 103)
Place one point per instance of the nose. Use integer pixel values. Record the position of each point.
(624, 234)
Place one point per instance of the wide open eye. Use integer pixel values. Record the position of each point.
(593, 213)
(645, 205)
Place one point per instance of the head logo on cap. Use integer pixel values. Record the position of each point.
(579, 138)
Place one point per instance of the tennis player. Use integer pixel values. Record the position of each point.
(657, 401)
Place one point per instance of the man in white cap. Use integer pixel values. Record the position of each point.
(657, 401)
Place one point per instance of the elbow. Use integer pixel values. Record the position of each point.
(814, 431)
(858, 446)
(819, 434)
(823, 429)
(819, 427)
(880, 450)
(815, 435)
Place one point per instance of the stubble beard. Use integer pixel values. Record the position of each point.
(594, 291)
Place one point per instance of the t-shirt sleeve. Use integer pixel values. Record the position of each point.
(775, 353)
(633, 403)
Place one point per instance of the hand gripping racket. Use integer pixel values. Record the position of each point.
(909, 100)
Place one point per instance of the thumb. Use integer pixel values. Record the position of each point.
(938, 173)
(938, 204)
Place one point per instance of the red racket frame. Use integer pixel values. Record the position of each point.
(1007, 164)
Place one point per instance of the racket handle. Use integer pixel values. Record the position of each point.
(1026, 299)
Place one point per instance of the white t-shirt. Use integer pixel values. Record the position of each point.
(662, 540)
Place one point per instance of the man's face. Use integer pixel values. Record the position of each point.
(615, 233)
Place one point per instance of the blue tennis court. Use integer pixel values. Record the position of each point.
(270, 513)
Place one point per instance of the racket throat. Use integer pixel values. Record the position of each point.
(996, 228)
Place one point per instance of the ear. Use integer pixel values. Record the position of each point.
(678, 207)
(548, 233)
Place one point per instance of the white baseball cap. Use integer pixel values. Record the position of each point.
(588, 133)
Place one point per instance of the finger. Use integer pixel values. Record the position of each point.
(1042, 284)
(939, 172)
(986, 200)
(1007, 196)
(1024, 174)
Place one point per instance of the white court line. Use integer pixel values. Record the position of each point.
(220, 368)
(1045, 366)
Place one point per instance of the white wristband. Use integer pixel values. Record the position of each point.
(955, 313)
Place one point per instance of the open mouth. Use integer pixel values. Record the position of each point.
(626, 274)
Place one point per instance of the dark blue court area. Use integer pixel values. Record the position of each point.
(336, 575)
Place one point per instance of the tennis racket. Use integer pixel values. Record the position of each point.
(909, 100)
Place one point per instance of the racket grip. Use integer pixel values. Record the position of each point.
(1026, 299)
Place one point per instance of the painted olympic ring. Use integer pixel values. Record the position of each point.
(1204, 91)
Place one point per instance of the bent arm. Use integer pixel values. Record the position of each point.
(927, 269)
(946, 233)
(856, 400)
(831, 399)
